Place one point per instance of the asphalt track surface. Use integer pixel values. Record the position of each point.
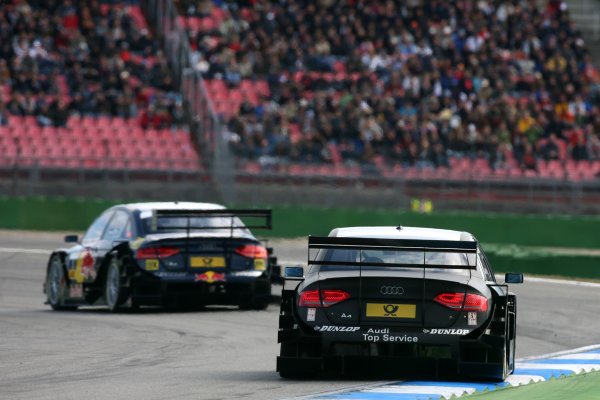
(216, 353)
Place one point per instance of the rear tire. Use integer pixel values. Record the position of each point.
(505, 363)
(504, 360)
(56, 285)
(114, 292)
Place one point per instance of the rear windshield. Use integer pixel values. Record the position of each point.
(397, 257)
(196, 224)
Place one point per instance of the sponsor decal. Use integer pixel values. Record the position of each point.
(135, 244)
(151, 265)
(382, 310)
(76, 290)
(84, 268)
(390, 338)
(375, 335)
(446, 331)
(310, 314)
(210, 277)
(260, 264)
(472, 318)
(391, 290)
(207, 262)
(87, 265)
(330, 328)
(165, 274)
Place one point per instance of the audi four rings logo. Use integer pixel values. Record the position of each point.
(391, 290)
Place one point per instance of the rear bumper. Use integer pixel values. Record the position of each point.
(150, 290)
(347, 353)
(390, 367)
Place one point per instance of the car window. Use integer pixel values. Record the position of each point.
(118, 227)
(95, 231)
(195, 224)
(404, 257)
(485, 267)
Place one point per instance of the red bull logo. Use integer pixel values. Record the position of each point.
(210, 277)
(87, 265)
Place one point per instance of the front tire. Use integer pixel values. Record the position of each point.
(114, 292)
(56, 285)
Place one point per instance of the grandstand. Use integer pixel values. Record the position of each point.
(412, 89)
(487, 90)
(84, 85)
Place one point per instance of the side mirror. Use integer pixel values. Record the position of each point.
(513, 277)
(294, 272)
(71, 239)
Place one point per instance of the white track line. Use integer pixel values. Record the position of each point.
(446, 391)
(499, 277)
(561, 353)
(24, 251)
(562, 282)
(576, 368)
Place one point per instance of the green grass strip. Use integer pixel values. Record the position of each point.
(577, 387)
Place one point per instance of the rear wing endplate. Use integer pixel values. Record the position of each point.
(427, 246)
(263, 215)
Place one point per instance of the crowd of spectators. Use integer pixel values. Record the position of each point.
(59, 58)
(411, 82)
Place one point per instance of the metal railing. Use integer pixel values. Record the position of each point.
(111, 180)
(205, 126)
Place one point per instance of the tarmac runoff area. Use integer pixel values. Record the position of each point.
(216, 353)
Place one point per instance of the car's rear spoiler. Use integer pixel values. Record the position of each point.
(189, 214)
(353, 243)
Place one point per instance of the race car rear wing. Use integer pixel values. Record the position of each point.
(260, 219)
(428, 247)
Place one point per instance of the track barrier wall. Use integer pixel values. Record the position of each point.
(510, 234)
(55, 213)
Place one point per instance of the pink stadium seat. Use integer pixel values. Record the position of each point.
(515, 172)
(262, 88)
(194, 23)
(208, 24)
(218, 14)
(138, 17)
(481, 167)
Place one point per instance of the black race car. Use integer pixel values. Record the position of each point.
(397, 301)
(184, 254)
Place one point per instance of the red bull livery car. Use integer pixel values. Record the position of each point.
(397, 301)
(172, 253)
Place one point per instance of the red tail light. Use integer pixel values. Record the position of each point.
(252, 251)
(322, 298)
(156, 252)
(457, 301)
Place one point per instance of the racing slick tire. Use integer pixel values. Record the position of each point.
(504, 359)
(115, 293)
(510, 366)
(512, 340)
(56, 285)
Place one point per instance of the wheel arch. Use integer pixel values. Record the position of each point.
(122, 249)
(63, 255)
